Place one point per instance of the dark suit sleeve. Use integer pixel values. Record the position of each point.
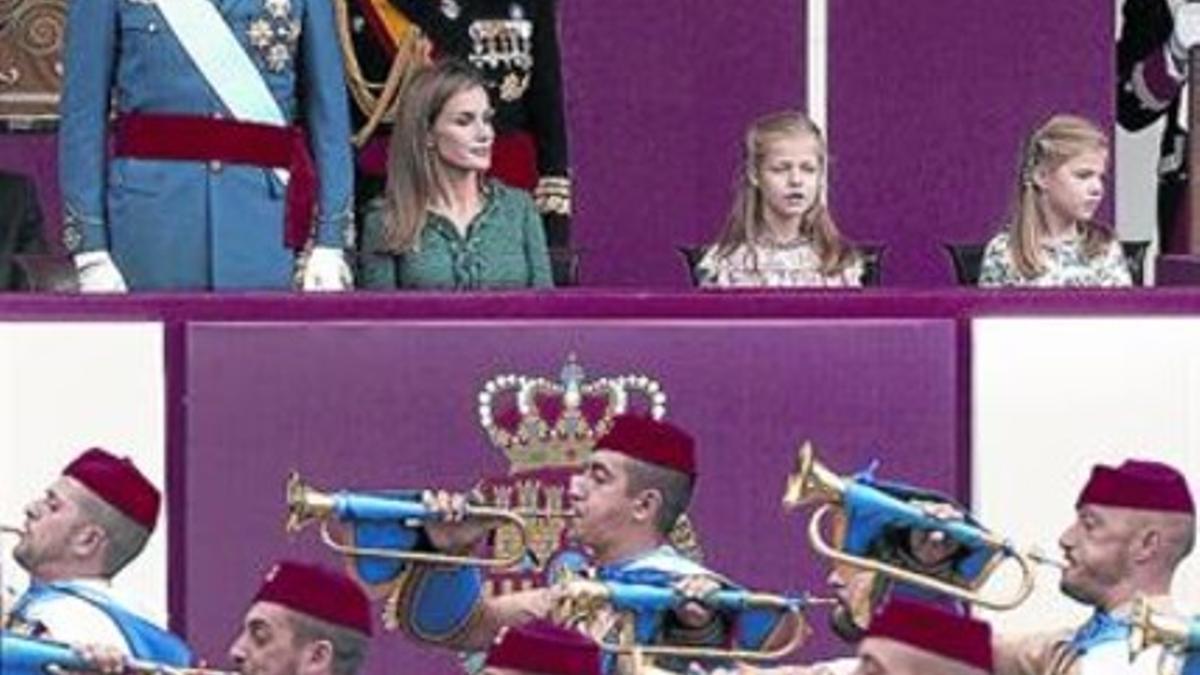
(548, 125)
(30, 237)
(1145, 87)
(546, 93)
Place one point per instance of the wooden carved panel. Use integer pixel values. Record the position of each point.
(31, 38)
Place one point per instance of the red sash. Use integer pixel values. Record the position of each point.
(191, 138)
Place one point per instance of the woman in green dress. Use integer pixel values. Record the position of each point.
(441, 224)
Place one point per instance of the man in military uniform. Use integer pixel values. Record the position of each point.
(1152, 66)
(1135, 524)
(230, 145)
(637, 482)
(514, 44)
(304, 620)
(91, 523)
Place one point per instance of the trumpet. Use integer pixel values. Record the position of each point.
(1149, 628)
(306, 504)
(582, 599)
(813, 483)
(20, 654)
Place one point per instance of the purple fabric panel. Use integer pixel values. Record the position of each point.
(1177, 270)
(928, 111)
(659, 95)
(34, 155)
(593, 303)
(394, 404)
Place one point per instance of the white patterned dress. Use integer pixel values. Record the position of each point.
(792, 265)
(1066, 265)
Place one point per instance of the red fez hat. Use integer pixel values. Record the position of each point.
(652, 441)
(1151, 486)
(544, 648)
(317, 592)
(119, 483)
(929, 629)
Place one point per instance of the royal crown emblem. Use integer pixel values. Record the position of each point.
(548, 430)
(542, 424)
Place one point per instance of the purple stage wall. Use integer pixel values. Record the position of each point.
(394, 404)
(928, 110)
(660, 94)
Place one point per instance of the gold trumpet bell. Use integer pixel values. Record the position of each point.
(811, 482)
(1150, 628)
(304, 503)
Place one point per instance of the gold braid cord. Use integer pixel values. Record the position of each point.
(412, 52)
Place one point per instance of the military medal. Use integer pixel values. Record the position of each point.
(275, 34)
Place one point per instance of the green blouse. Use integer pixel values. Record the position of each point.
(505, 247)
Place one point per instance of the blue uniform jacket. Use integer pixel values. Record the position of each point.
(186, 224)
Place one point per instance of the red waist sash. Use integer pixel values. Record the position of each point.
(192, 138)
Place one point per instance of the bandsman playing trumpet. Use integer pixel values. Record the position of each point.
(304, 620)
(911, 638)
(1134, 525)
(637, 482)
(91, 522)
(860, 593)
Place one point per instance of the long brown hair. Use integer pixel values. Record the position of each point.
(414, 176)
(1058, 140)
(746, 224)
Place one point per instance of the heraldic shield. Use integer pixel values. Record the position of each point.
(547, 430)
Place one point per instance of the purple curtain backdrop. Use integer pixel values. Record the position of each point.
(928, 110)
(389, 404)
(927, 104)
(659, 96)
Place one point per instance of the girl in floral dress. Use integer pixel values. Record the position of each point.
(779, 231)
(1052, 239)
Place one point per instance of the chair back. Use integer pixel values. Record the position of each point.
(692, 255)
(967, 259)
(564, 266)
(46, 273)
(1135, 257)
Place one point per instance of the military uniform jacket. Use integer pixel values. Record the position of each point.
(189, 224)
(514, 43)
(1051, 653)
(1147, 90)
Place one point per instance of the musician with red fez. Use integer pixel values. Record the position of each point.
(1134, 525)
(542, 648)
(90, 523)
(637, 482)
(911, 638)
(304, 620)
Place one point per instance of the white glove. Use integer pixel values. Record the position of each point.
(326, 270)
(98, 273)
(1187, 31)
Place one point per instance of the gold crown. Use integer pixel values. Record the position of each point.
(542, 424)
